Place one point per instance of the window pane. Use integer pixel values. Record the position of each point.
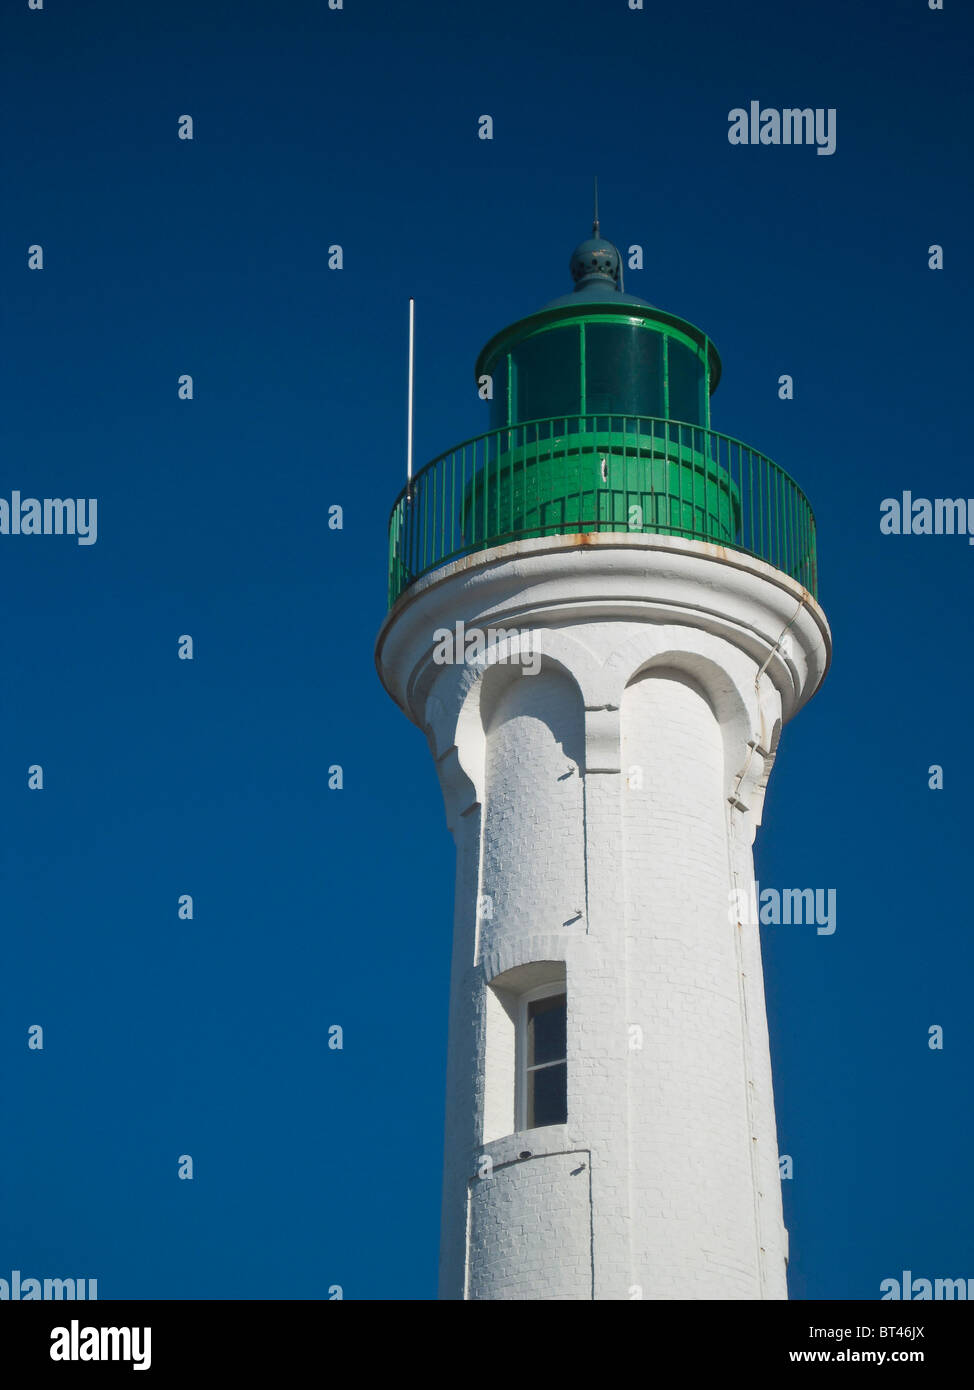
(498, 405)
(547, 1029)
(547, 375)
(548, 1096)
(686, 384)
(623, 369)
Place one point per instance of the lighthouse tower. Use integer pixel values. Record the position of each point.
(602, 611)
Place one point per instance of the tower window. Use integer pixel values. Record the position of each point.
(525, 1049)
(543, 1069)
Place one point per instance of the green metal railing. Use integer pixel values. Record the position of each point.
(608, 473)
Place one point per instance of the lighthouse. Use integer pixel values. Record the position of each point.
(602, 612)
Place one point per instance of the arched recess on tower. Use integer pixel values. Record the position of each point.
(674, 803)
(533, 867)
(687, 1085)
(725, 681)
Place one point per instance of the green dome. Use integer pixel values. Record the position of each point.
(595, 259)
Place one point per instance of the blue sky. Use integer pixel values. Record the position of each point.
(313, 907)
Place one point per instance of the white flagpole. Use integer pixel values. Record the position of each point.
(409, 418)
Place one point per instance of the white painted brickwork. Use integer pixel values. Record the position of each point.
(603, 811)
(534, 1217)
(692, 1183)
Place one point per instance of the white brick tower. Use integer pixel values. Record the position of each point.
(602, 613)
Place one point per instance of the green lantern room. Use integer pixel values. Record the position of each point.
(599, 352)
(599, 420)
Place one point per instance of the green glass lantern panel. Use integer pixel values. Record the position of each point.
(623, 370)
(498, 408)
(687, 384)
(547, 375)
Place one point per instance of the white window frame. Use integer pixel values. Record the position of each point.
(559, 987)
